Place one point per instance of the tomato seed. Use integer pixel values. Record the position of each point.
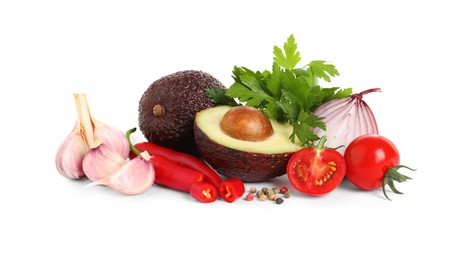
(301, 171)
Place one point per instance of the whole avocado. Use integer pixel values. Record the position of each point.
(168, 107)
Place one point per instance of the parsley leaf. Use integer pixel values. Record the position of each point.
(218, 96)
(286, 93)
(249, 88)
(291, 57)
(320, 69)
(302, 127)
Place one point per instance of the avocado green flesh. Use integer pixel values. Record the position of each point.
(208, 121)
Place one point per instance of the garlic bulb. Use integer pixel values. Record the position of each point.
(134, 177)
(101, 161)
(87, 134)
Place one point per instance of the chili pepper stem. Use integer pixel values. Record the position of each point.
(132, 147)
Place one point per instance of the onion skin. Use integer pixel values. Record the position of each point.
(346, 119)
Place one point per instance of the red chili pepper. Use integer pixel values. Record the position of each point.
(184, 159)
(231, 189)
(172, 175)
(203, 191)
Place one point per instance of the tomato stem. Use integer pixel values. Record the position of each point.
(394, 175)
(321, 144)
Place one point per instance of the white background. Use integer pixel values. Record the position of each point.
(113, 50)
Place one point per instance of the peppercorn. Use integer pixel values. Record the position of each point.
(263, 197)
(271, 196)
(287, 194)
(249, 196)
(253, 190)
(283, 190)
(279, 200)
(269, 192)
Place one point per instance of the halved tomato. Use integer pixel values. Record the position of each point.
(316, 171)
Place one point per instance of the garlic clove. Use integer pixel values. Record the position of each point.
(70, 154)
(134, 177)
(112, 137)
(101, 161)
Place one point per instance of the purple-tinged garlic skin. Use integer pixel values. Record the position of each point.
(101, 161)
(70, 154)
(134, 177)
(112, 137)
(87, 134)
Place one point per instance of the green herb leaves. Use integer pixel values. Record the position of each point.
(291, 57)
(286, 93)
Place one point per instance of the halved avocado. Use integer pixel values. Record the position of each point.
(251, 161)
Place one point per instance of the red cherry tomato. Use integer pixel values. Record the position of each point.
(372, 162)
(317, 170)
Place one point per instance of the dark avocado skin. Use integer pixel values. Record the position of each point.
(182, 94)
(248, 166)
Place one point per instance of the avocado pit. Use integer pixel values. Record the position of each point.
(246, 123)
(251, 161)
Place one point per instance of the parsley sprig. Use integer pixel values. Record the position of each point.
(286, 93)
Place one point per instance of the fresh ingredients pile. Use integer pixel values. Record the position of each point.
(208, 140)
(106, 156)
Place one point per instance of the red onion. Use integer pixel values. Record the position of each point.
(346, 119)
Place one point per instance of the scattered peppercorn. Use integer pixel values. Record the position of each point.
(271, 196)
(279, 200)
(266, 193)
(269, 192)
(287, 194)
(249, 196)
(263, 197)
(283, 190)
